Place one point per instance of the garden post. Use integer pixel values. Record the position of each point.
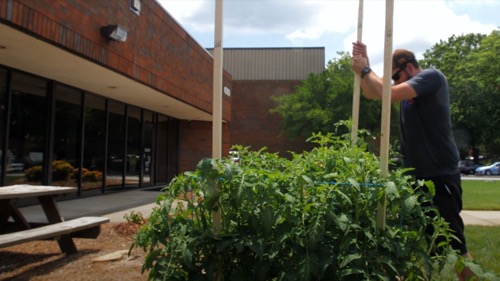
(386, 109)
(217, 84)
(357, 82)
(217, 106)
(217, 115)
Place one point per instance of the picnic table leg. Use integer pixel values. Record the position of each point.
(7, 210)
(49, 206)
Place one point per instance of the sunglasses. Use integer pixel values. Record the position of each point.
(396, 76)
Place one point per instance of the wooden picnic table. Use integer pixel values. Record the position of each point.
(56, 228)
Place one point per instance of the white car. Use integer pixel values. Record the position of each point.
(493, 169)
(235, 156)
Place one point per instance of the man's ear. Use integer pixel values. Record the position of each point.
(411, 69)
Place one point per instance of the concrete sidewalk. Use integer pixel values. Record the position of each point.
(117, 204)
(488, 218)
(113, 206)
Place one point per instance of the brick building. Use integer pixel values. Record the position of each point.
(119, 87)
(258, 74)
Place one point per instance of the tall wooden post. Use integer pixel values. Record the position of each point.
(386, 108)
(217, 116)
(217, 84)
(357, 83)
(217, 101)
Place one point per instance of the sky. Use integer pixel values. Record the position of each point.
(332, 24)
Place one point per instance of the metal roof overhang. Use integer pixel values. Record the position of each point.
(24, 52)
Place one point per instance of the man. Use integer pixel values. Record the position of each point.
(427, 140)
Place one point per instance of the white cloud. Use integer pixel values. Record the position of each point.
(182, 9)
(417, 25)
(333, 23)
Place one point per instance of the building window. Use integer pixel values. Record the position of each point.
(135, 6)
(117, 137)
(94, 141)
(134, 142)
(67, 135)
(27, 127)
(9, 157)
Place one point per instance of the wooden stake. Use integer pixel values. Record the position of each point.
(217, 101)
(357, 83)
(386, 108)
(217, 84)
(217, 116)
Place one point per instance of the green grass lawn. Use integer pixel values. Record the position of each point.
(481, 195)
(483, 243)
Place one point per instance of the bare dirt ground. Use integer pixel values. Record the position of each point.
(43, 260)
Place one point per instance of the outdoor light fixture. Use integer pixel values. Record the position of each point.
(114, 32)
(227, 91)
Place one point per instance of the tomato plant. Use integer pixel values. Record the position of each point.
(310, 217)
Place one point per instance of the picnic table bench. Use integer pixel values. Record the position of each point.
(57, 228)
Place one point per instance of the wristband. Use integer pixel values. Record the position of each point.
(365, 71)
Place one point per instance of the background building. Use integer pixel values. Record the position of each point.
(118, 88)
(258, 74)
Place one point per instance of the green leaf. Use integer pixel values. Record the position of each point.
(343, 222)
(267, 218)
(410, 203)
(391, 189)
(187, 256)
(348, 259)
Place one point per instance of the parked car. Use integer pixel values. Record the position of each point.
(493, 169)
(235, 156)
(468, 167)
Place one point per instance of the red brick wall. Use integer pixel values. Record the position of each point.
(195, 143)
(253, 125)
(157, 52)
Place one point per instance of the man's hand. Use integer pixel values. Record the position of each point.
(359, 57)
(358, 63)
(359, 49)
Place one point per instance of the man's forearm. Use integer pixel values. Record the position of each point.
(372, 86)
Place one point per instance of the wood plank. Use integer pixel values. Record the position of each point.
(51, 230)
(8, 209)
(26, 191)
(50, 209)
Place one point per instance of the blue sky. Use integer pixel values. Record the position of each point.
(332, 24)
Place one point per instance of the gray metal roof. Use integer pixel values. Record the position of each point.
(273, 63)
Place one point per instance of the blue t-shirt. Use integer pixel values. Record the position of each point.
(426, 133)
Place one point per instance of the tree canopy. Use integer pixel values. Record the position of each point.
(471, 64)
(324, 99)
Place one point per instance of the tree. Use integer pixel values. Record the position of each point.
(323, 99)
(471, 64)
(485, 66)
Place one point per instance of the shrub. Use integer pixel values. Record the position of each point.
(309, 218)
(34, 174)
(135, 218)
(92, 176)
(87, 175)
(61, 170)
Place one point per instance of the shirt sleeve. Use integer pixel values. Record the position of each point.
(428, 81)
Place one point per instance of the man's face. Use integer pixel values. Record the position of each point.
(400, 75)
